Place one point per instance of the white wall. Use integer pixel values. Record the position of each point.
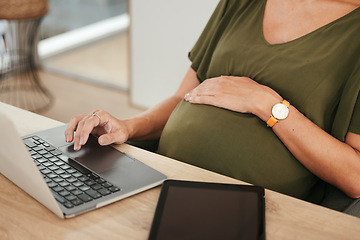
(162, 32)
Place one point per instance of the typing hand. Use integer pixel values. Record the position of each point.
(108, 128)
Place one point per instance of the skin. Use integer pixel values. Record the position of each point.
(333, 161)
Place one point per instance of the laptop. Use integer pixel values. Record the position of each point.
(70, 182)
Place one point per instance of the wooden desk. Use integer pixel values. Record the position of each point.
(22, 217)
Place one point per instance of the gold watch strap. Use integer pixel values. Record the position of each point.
(272, 120)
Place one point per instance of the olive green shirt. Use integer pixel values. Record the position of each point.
(318, 73)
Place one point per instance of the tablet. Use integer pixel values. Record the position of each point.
(199, 210)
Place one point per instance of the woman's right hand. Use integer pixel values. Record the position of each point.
(146, 126)
(100, 123)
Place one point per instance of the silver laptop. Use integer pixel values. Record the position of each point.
(70, 182)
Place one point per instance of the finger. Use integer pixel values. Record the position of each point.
(83, 130)
(87, 127)
(209, 100)
(206, 92)
(96, 115)
(109, 138)
(225, 102)
(211, 92)
(186, 97)
(192, 93)
(79, 128)
(72, 125)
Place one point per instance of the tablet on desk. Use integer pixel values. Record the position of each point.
(198, 210)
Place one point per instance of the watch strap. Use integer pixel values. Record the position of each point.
(271, 122)
(286, 103)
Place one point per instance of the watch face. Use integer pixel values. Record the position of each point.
(280, 111)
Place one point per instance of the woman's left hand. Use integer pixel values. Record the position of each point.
(240, 94)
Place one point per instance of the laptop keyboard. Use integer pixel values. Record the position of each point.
(70, 183)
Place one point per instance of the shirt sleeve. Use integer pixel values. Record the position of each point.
(347, 118)
(200, 53)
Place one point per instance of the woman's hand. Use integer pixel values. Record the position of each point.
(240, 94)
(144, 127)
(108, 128)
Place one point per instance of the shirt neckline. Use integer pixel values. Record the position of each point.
(303, 36)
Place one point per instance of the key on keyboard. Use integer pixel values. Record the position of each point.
(70, 183)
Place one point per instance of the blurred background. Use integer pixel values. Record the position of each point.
(67, 15)
(98, 53)
(122, 56)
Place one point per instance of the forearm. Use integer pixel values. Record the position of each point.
(333, 161)
(330, 159)
(150, 124)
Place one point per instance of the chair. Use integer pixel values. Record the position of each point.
(337, 200)
(20, 84)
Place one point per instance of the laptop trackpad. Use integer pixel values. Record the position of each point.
(104, 160)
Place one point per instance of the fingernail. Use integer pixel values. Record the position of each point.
(102, 141)
(186, 96)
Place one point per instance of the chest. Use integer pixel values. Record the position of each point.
(285, 21)
(311, 71)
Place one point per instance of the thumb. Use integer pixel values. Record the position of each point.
(110, 138)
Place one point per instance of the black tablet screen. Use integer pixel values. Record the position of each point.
(193, 210)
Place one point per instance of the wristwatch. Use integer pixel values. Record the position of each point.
(279, 111)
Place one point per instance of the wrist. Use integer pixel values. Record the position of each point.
(279, 111)
(265, 103)
(134, 127)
